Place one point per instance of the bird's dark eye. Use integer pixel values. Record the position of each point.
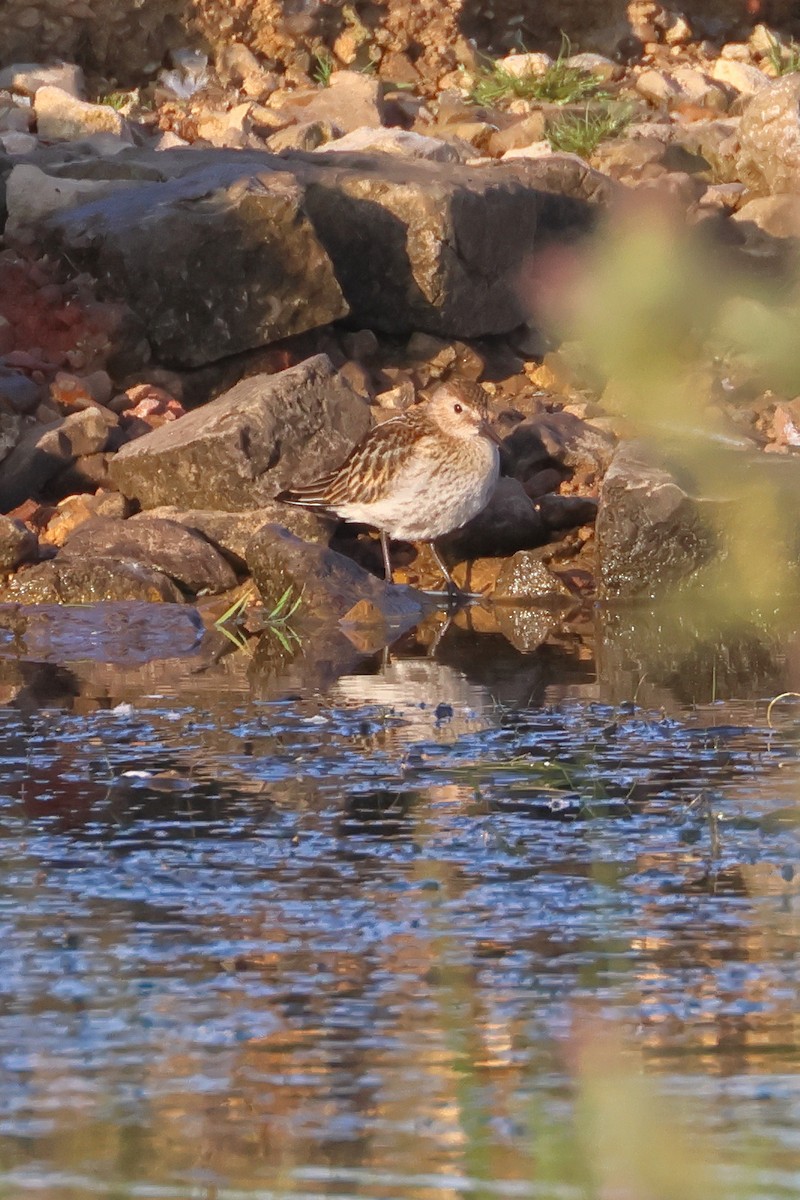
(457, 408)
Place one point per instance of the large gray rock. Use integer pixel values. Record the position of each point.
(650, 532)
(231, 532)
(248, 444)
(330, 586)
(769, 138)
(212, 264)
(182, 554)
(122, 633)
(416, 245)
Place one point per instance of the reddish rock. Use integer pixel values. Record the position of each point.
(152, 405)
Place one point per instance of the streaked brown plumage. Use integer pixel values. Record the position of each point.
(418, 476)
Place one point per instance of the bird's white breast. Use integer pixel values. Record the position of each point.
(431, 495)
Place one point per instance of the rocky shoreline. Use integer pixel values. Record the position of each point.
(214, 282)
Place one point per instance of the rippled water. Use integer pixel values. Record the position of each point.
(449, 918)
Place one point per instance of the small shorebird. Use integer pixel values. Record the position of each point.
(417, 476)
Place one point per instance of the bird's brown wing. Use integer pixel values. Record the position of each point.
(366, 474)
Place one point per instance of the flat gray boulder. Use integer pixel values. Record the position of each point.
(248, 444)
(231, 532)
(211, 263)
(330, 587)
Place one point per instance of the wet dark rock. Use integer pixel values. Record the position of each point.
(574, 443)
(511, 521)
(44, 450)
(211, 265)
(17, 544)
(182, 554)
(330, 584)
(559, 513)
(555, 441)
(416, 245)
(87, 581)
(651, 533)
(231, 532)
(87, 473)
(248, 444)
(525, 577)
(524, 453)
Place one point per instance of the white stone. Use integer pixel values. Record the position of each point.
(595, 64)
(699, 88)
(724, 195)
(542, 150)
(401, 142)
(525, 64)
(229, 129)
(762, 40)
(657, 87)
(738, 51)
(29, 77)
(60, 117)
(742, 76)
(678, 32)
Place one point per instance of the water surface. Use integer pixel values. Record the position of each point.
(447, 918)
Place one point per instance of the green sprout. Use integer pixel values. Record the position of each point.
(323, 68)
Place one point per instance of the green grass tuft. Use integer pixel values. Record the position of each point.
(582, 134)
(276, 621)
(116, 100)
(559, 84)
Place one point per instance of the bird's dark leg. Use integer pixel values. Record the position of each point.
(453, 590)
(456, 594)
(387, 562)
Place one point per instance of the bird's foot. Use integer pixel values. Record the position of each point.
(453, 596)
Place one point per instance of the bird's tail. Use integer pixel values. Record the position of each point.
(310, 495)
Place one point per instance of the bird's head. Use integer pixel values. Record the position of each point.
(459, 409)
